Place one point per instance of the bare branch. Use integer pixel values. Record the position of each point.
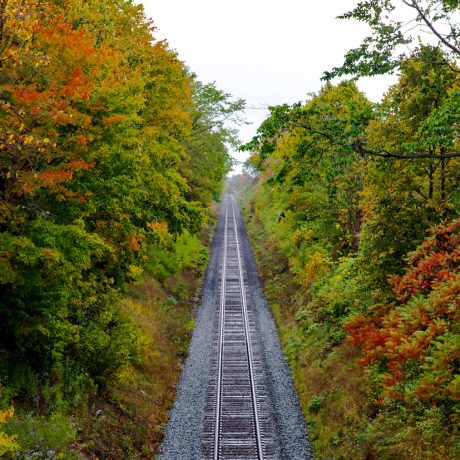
(416, 6)
(359, 147)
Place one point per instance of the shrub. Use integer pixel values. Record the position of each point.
(8, 444)
(413, 345)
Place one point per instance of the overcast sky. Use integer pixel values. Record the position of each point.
(265, 51)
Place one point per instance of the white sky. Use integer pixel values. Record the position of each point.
(265, 51)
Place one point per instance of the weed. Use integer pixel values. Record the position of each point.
(315, 404)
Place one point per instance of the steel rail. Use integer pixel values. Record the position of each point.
(221, 339)
(246, 336)
(248, 341)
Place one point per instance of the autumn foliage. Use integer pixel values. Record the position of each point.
(362, 201)
(413, 342)
(96, 179)
(435, 262)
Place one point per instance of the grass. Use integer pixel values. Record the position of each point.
(131, 424)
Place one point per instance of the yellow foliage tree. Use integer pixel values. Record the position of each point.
(8, 444)
(18, 19)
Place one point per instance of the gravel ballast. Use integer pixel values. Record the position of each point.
(185, 426)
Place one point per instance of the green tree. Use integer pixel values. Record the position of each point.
(406, 196)
(314, 180)
(96, 120)
(391, 35)
(215, 117)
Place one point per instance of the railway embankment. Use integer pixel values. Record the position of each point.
(198, 426)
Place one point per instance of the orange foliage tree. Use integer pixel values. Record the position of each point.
(413, 345)
(95, 115)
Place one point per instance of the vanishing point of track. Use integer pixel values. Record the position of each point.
(237, 417)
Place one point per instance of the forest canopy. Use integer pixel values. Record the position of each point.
(363, 200)
(110, 150)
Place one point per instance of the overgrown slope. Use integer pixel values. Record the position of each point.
(354, 208)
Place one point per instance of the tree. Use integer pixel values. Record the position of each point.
(215, 116)
(311, 184)
(434, 20)
(406, 196)
(95, 176)
(412, 347)
(17, 21)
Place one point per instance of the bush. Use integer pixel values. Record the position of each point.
(315, 404)
(43, 437)
(411, 348)
(8, 444)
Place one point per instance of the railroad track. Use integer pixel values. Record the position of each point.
(238, 422)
